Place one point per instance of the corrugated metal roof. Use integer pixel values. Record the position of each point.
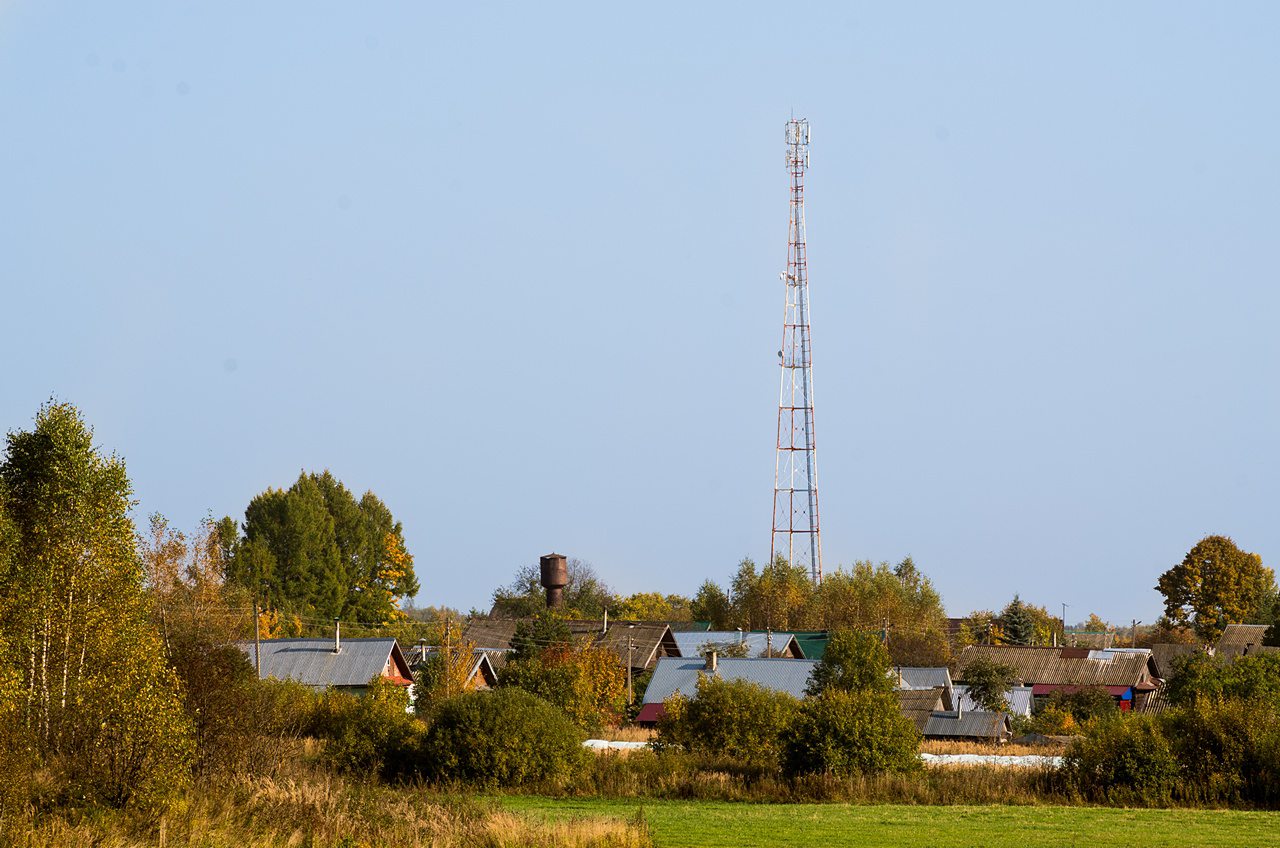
(313, 662)
(1236, 637)
(757, 643)
(1063, 666)
(906, 677)
(1018, 698)
(919, 704)
(680, 674)
(967, 725)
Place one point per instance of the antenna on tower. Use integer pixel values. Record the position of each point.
(795, 487)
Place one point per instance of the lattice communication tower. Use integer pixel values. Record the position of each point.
(795, 488)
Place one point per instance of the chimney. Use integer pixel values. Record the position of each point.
(960, 707)
(337, 636)
(555, 576)
(711, 661)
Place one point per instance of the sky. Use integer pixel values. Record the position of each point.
(514, 268)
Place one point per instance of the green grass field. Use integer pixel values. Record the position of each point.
(712, 824)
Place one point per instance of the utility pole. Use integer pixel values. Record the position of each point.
(448, 658)
(1133, 638)
(795, 483)
(631, 649)
(1064, 625)
(257, 641)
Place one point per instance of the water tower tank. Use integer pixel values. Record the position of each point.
(555, 576)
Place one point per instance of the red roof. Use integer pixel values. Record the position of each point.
(1046, 688)
(651, 713)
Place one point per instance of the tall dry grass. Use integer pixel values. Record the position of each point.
(934, 746)
(673, 775)
(317, 812)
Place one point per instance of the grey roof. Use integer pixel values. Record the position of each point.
(1163, 655)
(919, 704)
(967, 725)
(680, 674)
(905, 677)
(649, 639)
(1019, 699)
(757, 643)
(481, 663)
(313, 662)
(1065, 666)
(1236, 637)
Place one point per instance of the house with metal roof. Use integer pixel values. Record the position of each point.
(482, 674)
(1128, 676)
(680, 675)
(1018, 698)
(919, 704)
(969, 726)
(755, 643)
(923, 677)
(346, 664)
(1164, 654)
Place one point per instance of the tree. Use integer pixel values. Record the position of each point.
(988, 682)
(899, 599)
(97, 696)
(852, 662)
(314, 549)
(775, 597)
(534, 635)
(1018, 624)
(712, 604)
(737, 719)
(850, 732)
(1216, 584)
(585, 595)
(653, 606)
(588, 683)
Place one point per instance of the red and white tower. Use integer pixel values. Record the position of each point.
(795, 487)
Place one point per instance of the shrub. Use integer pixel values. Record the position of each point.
(988, 682)
(367, 734)
(734, 719)
(1229, 749)
(1199, 675)
(853, 662)
(846, 733)
(505, 737)
(1123, 759)
(588, 684)
(1085, 704)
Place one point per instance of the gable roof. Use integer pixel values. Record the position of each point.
(313, 662)
(919, 704)
(907, 677)
(680, 674)
(967, 725)
(1164, 653)
(757, 643)
(1065, 666)
(651, 639)
(481, 662)
(1236, 637)
(1018, 698)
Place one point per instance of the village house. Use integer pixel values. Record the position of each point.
(637, 643)
(344, 664)
(754, 643)
(481, 675)
(680, 675)
(1128, 675)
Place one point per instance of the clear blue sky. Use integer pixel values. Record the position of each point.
(515, 269)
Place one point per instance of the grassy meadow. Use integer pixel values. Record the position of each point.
(717, 824)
